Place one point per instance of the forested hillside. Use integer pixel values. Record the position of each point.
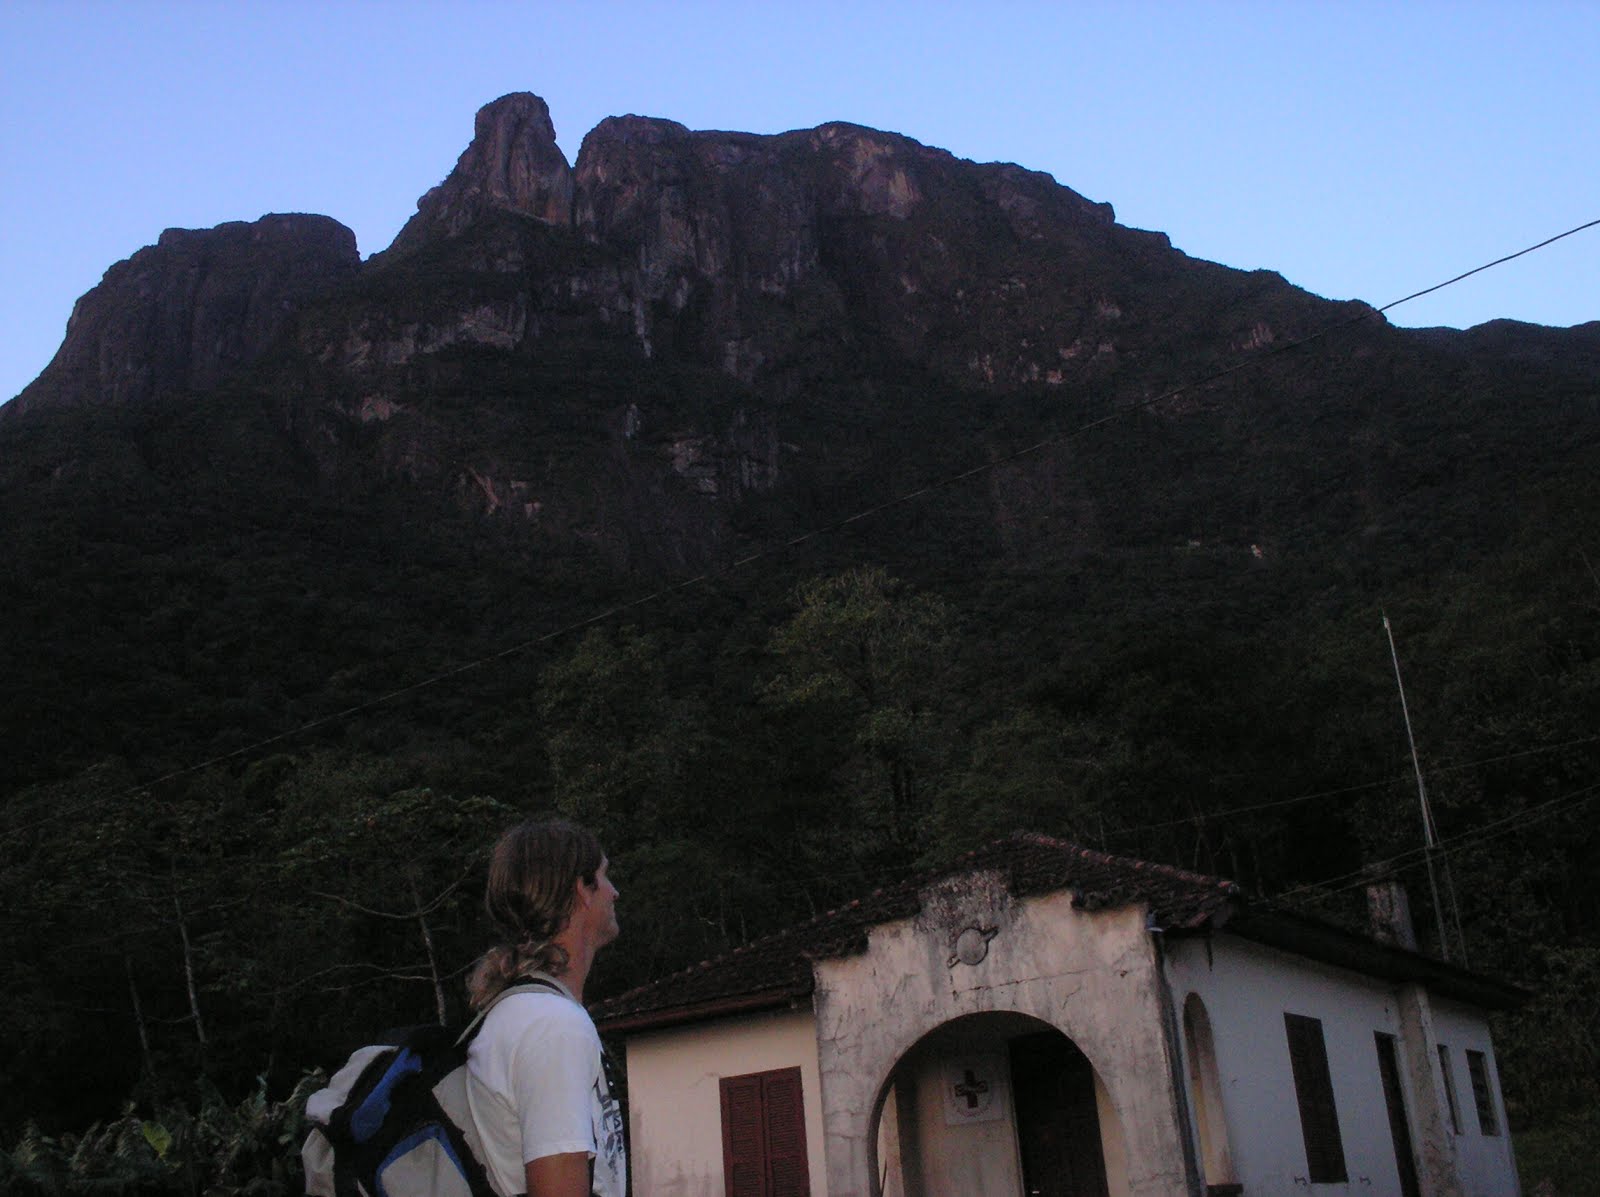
(320, 572)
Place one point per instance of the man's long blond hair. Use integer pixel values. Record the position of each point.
(533, 876)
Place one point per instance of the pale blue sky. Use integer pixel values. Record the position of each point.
(1363, 150)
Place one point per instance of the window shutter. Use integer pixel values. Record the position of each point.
(764, 1135)
(743, 1145)
(1313, 1088)
(1482, 1094)
(786, 1134)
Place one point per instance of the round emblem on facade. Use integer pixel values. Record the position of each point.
(972, 945)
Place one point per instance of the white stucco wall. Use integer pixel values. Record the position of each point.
(906, 1003)
(1093, 976)
(1247, 989)
(675, 1104)
(1486, 1162)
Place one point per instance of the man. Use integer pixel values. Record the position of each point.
(537, 1085)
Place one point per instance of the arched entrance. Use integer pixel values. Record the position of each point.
(1000, 1104)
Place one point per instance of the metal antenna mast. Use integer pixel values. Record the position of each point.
(1590, 566)
(1430, 836)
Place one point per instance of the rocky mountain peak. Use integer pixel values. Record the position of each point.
(630, 129)
(184, 313)
(513, 164)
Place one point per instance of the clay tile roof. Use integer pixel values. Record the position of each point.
(776, 971)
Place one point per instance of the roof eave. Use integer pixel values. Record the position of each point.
(1345, 949)
(671, 1016)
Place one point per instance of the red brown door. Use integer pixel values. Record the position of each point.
(764, 1135)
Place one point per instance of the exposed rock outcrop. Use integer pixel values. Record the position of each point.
(717, 230)
(817, 269)
(776, 260)
(746, 248)
(728, 207)
(184, 313)
(513, 164)
(690, 338)
(531, 313)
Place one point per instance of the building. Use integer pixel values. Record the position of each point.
(1045, 1019)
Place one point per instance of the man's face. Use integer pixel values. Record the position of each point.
(601, 899)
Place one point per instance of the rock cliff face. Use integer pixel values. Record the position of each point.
(681, 321)
(513, 164)
(764, 240)
(775, 260)
(183, 314)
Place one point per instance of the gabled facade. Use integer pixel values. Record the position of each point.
(1044, 1019)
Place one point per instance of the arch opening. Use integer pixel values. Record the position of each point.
(1205, 1097)
(997, 1103)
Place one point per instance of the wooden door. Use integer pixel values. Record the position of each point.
(1399, 1126)
(1058, 1126)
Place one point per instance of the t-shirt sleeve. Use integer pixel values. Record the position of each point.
(552, 1079)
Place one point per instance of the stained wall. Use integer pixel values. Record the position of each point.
(1094, 976)
(675, 1103)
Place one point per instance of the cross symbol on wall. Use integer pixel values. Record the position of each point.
(971, 1088)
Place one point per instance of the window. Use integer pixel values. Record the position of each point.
(1450, 1088)
(764, 1135)
(1205, 1091)
(1313, 1087)
(1482, 1094)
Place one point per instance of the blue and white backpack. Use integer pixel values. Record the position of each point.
(394, 1121)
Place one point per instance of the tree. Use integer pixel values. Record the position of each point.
(1031, 769)
(383, 878)
(865, 667)
(626, 740)
(633, 754)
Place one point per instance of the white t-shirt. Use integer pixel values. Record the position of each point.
(537, 1088)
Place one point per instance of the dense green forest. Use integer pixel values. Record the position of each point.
(262, 726)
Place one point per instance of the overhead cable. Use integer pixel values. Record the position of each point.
(1471, 837)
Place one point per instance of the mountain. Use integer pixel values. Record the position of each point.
(834, 257)
(792, 507)
(733, 307)
(189, 311)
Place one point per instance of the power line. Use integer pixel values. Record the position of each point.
(1512, 822)
(891, 874)
(796, 883)
(1251, 808)
(785, 546)
(1487, 265)
(792, 883)
(1274, 804)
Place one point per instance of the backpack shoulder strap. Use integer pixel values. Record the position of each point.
(536, 983)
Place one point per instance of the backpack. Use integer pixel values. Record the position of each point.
(394, 1121)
